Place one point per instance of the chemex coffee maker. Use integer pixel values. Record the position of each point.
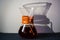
(34, 19)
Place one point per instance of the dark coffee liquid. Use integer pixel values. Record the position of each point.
(29, 31)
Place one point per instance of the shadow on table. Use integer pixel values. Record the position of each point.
(46, 36)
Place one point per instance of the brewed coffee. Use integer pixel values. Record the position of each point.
(29, 31)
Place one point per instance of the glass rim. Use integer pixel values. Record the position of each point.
(36, 3)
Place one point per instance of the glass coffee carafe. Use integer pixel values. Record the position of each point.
(34, 14)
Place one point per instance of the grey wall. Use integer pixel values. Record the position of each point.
(10, 19)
